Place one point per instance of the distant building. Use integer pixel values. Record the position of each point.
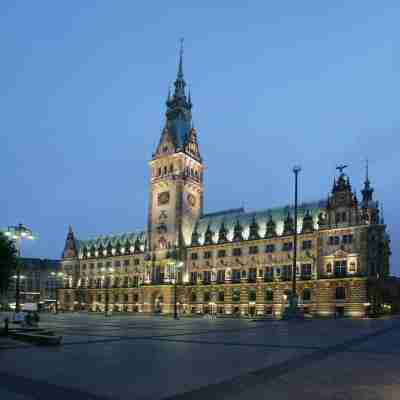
(234, 262)
(38, 282)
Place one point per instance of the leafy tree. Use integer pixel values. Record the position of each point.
(8, 261)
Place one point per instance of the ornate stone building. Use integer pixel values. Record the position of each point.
(233, 261)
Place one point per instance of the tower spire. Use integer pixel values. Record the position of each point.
(367, 190)
(180, 68)
(180, 83)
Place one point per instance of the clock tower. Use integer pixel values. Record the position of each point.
(176, 175)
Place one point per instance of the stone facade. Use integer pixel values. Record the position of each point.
(230, 262)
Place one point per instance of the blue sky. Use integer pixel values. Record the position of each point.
(274, 84)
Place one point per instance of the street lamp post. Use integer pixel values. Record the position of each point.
(296, 171)
(178, 265)
(107, 286)
(292, 310)
(17, 233)
(56, 276)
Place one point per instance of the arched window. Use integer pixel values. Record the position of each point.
(207, 297)
(159, 171)
(171, 168)
(269, 295)
(329, 268)
(135, 297)
(221, 296)
(306, 294)
(193, 297)
(252, 294)
(352, 267)
(340, 293)
(165, 170)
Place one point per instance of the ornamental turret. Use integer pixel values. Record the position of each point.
(222, 234)
(308, 223)
(237, 232)
(271, 228)
(70, 248)
(254, 230)
(288, 225)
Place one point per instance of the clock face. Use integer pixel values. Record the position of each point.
(163, 198)
(191, 200)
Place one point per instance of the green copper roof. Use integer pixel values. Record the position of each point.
(105, 240)
(231, 217)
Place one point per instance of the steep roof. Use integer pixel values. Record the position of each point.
(231, 217)
(105, 240)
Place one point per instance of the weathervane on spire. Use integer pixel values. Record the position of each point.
(341, 167)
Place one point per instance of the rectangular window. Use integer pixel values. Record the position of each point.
(236, 275)
(221, 253)
(286, 272)
(347, 239)
(287, 246)
(306, 270)
(268, 274)
(99, 265)
(252, 274)
(126, 262)
(269, 248)
(136, 261)
(193, 277)
(221, 275)
(108, 264)
(237, 252)
(307, 244)
(334, 240)
(253, 250)
(340, 268)
(194, 256)
(207, 276)
(117, 263)
(207, 254)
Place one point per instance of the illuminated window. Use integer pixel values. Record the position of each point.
(329, 268)
(352, 267)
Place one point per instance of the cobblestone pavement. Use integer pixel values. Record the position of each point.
(139, 357)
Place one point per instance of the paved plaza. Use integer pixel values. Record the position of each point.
(140, 357)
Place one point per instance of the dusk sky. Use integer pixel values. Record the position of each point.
(83, 89)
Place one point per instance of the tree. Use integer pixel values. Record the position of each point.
(8, 262)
